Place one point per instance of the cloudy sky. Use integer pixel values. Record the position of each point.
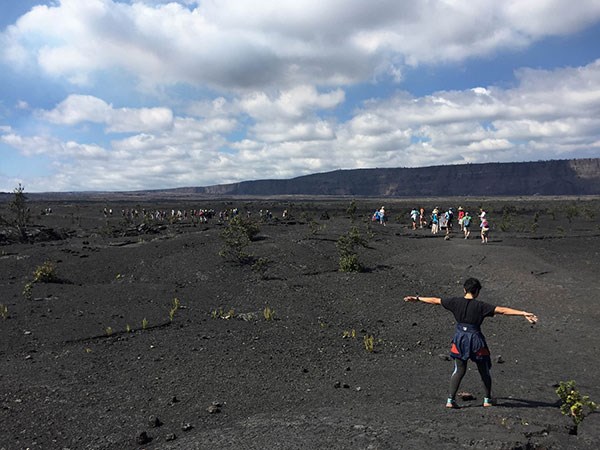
(126, 95)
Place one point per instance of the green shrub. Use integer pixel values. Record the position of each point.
(237, 237)
(350, 263)
(574, 404)
(260, 267)
(572, 211)
(347, 248)
(46, 273)
(351, 211)
(20, 210)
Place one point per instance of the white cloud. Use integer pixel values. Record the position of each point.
(263, 83)
(232, 45)
(85, 108)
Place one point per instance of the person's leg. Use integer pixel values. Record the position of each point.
(486, 377)
(460, 368)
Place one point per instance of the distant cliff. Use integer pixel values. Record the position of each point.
(564, 177)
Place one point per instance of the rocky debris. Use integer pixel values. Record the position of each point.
(154, 421)
(142, 438)
(466, 396)
(499, 359)
(444, 357)
(214, 408)
(170, 437)
(186, 427)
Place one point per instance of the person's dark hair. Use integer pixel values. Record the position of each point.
(472, 286)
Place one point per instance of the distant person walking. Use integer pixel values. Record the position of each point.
(382, 216)
(485, 230)
(422, 219)
(414, 216)
(449, 215)
(466, 224)
(469, 342)
(461, 214)
(435, 221)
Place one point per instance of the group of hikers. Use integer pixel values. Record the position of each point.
(445, 220)
(438, 221)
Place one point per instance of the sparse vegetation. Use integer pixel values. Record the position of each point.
(571, 212)
(574, 404)
(268, 313)
(237, 237)
(3, 311)
(28, 291)
(20, 211)
(174, 308)
(351, 211)
(260, 267)
(347, 245)
(222, 314)
(46, 273)
(108, 331)
(369, 343)
(349, 334)
(144, 323)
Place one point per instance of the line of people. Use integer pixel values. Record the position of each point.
(438, 221)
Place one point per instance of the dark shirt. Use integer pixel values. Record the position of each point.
(468, 311)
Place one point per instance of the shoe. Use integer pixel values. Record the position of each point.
(487, 402)
(451, 404)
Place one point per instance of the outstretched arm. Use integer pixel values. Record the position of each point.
(532, 318)
(430, 300)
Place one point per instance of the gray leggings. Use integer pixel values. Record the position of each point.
(460, 368)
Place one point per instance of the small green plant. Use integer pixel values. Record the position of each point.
(20, 210)
(108, 331)
(28, 290)
(260, 267)
(268, 313)
(369, 343)
(572, 211)
(144, 323)
(574, 404)
(314, 227)
(221, 314)
(3, 311)
(349, 334)
(128, 328)
(560, 230)
(174, 308)
(346, 245)
(236, 238)
(46, 273)
(351, 211)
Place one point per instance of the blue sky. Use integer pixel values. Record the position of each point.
(123, 95)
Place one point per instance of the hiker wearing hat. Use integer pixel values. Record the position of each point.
(461, 214)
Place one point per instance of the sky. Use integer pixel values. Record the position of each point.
(109, 95)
